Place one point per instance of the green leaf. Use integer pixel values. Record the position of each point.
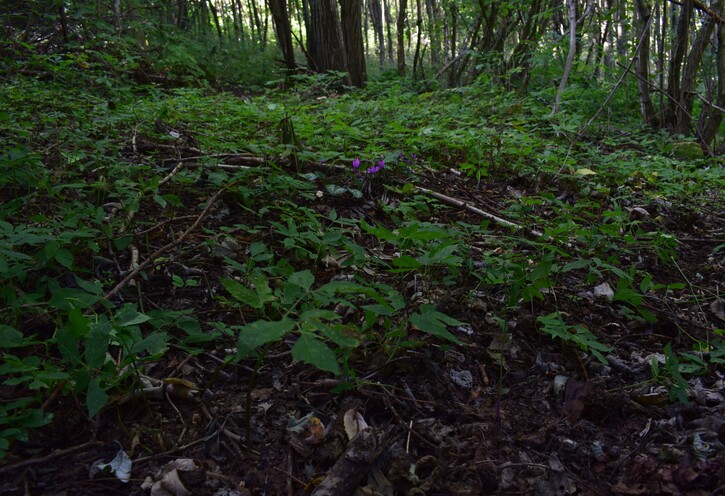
(303, 279)
(335, 190)
(260, 333)
(311, 350)
(10, 337)
(433, 322)
(97, 342)
(154, 344)
(342, 336)
(405, 263)
(64, 257)
(241, 293)
(189, 325)
(129, 316)
(96, 397)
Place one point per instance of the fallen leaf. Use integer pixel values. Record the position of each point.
(717, 307)
(170, 485)
(574, 399)
(354, 423)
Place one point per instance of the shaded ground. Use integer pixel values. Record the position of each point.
(507, 413)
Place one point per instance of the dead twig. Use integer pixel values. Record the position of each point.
(43, 459)
(462, 204)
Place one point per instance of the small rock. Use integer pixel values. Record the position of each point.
(462, 378)
(603, 292)
(639, 213)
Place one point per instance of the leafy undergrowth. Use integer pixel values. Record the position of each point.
(215, 292)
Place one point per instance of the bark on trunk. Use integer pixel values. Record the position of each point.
(351, 11)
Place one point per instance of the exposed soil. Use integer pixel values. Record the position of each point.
(513, 413)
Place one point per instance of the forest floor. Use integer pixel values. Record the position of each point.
(495, 407)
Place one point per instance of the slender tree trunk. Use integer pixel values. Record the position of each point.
(181, 13)
(376, 16)
(351, 11)
(389, 29)
(215, 18)
(400, 31)
(711, 117)
(689, 74)
(433, 14)
(571, 4)
(454, 45)
(417, 71)
(256, 20)
(679, 48)
(661, 51)
(63, 20)
(641, 66)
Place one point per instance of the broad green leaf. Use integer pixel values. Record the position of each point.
(10, 337)
(78, 325)
(260, 333)
(64, 257)
(311, 350)
(261, 287)
(189, 325)
(154, 344)
(67, 298)
(405, 263)
(241, 293)
(335, 190)
(434, 322)
(341, 335)
(318, 314)
(129, 316)
(441, 255)
(303, 279)
(97, 342)
(96, 397)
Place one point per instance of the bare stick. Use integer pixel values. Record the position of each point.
(47, 458)
(461, 204)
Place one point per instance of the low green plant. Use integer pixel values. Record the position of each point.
(670, 375)
(578, 335)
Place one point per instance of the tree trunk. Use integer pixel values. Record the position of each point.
(431, 8)
(711, 117)
(454, 45)
(417, 71)
(215, 18)
(389, 29)
(641, 68)
(351, 11)
(688, 84)
(402, 7)
(376, 16)
(325, 49)
(283, 30)
(679, 48)
(571, 4)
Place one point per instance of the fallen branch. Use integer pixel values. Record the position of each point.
(354, 465)
(461, 204)
(44, 459)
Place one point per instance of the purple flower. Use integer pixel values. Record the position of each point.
(356, 163)
(376, 168)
